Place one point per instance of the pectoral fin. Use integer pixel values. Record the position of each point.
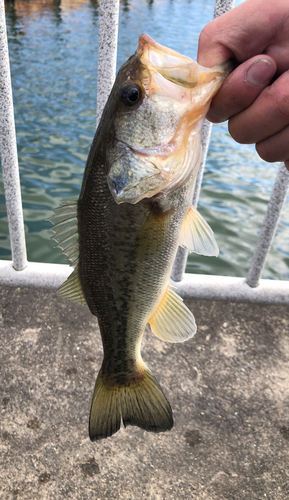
(173, 321)
(197, 236)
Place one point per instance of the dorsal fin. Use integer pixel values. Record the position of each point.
(65, 228)
(197, 236)
(66, 234)
(173, 321)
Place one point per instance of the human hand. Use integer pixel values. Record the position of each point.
(256, 34)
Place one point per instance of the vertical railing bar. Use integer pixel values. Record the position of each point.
(107, 51)
(269, 226)
(221, 6)
(9, 158)
(206, 135)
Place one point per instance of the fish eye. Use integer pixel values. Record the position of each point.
(130, 94)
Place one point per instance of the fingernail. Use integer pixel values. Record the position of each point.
(260, 72)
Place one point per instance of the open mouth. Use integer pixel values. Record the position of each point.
(177, 68)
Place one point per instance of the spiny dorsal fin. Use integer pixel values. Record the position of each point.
(66, 234)
(71, 289)
(173, 321)
(197, 236)
(65, 229)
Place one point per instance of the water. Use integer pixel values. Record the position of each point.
(53, 57)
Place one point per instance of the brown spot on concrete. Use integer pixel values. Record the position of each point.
(193, 437)
(90, 468)
(285, 432)
(44, 477)
(71, 371)
(33, 423)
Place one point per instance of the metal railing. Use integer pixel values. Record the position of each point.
(22, 273)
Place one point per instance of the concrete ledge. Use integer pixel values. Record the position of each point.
(200, 286)
(36, 274)
(228, 387)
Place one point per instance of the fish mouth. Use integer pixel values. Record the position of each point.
(177, 68)
(161, 150)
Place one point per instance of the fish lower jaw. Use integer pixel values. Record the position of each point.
(123, 197)
(135, 194)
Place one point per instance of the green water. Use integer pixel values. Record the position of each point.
(53, 57)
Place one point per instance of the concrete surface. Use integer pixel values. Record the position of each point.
(228, 387)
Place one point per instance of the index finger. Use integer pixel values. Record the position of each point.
(243, 32)
(241, 88)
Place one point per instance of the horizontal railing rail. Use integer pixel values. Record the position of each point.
(19, 272)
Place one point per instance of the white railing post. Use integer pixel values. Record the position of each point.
(107, 51)
(178, 270)
(9, 158)
(269, 226)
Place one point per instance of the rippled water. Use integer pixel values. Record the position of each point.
(53, 57)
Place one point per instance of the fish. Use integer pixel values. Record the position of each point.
(134, 210)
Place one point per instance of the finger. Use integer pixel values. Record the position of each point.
(280, 53)
(243, 32)
(275, 148)
(241, 88)
(267, 116)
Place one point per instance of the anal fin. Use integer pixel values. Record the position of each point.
(197, 236)
(173, 321)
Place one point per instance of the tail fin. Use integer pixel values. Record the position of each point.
(141, 403)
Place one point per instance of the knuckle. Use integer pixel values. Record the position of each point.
(265, 152)
(275, 148)
(205, 35)
(278, 93)
(238, 132)
(215, 116)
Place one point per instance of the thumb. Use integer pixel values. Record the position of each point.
(243, 32)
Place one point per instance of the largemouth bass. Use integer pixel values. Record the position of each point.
(133, 211)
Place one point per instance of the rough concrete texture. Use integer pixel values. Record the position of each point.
(228, 387)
